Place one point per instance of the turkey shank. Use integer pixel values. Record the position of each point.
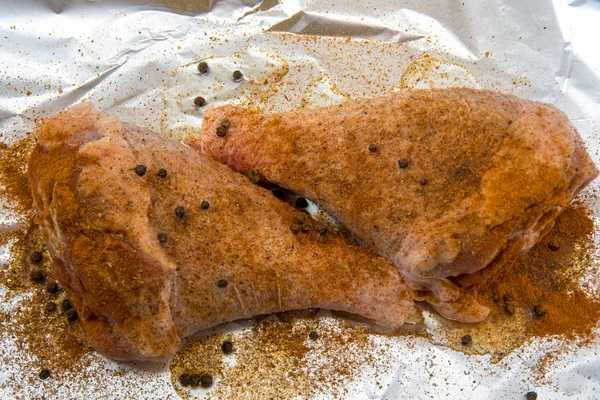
(153, 241)
(442, 182)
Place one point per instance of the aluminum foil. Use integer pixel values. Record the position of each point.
(139, 62)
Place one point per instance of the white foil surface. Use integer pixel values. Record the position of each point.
(139, 62)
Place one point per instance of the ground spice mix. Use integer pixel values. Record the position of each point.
(545, 282)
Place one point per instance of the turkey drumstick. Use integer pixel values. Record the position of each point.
(153, 241)
(442, 182)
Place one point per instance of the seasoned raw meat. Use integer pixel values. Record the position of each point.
(441, 181)
(154, 241)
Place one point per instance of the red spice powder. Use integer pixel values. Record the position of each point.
(546, 281)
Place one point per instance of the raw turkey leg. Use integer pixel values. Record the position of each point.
(441, 182)
(154, 241)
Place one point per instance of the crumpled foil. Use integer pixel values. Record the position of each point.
(139, 62)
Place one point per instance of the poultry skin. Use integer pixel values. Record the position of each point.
(442, 182)
(153, 241)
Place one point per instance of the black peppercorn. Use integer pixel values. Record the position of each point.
(279, 193)
(162, 237)
(313, 335)
(52, 287)
(221, 131)
(222, 283)
(180, 211)
(140, 170)
(423, 181)
(72, 315)
(531, 396)
(194, 380)
(466, 340)
(67, 305)
(36, 276)
(237, 75)
(227, 347)
(538, 311)
(203, 67)
(44, 374)
(225, 123)
(204, 205)
(403, 163)
(206, 381)
(372, 148)
(301, 202)
(185, 380)
(50, 306)
(36, 257)
(553, 246)
(199, 102)
(162, 173)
